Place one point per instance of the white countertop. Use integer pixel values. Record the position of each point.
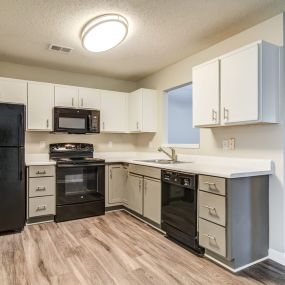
(38, 159)
(227, 167)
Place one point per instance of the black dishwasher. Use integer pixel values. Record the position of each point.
(179, 208)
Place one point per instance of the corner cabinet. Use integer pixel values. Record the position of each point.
(143, 110)
(13, 91)
(40, 106)
(241, 87)
(135, 193)
(114, 112)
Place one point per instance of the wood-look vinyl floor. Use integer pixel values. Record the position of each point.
(113, 249)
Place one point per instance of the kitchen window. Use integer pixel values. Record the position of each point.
(179, 131)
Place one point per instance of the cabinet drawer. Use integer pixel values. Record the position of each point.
(41, 206)
(212, 237)
(212, 208)
(41, 186)
(212, 184)
(41, 170)
(145, 171)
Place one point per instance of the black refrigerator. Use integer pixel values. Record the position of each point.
(12, 167)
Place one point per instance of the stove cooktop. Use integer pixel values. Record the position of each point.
(73, 153)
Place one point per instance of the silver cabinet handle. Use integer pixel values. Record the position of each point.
(47, 123)
(41, 188)
(209, 236)
(72, 101)
(145, 188)
(41, 172)
(111, 174)
(210, 183)
(214, 115)
(41, 208)
(82, 102)
(226, 114)
(103, 125)
(137, 125)
(209, 208)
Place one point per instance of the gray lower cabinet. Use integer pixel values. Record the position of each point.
(41, 193)
(233, 218)
(152, 199)
(135, 193)
(144, 192)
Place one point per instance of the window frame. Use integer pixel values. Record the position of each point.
(165, 122)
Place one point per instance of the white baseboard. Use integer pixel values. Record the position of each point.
(277, 256)
(236, 269)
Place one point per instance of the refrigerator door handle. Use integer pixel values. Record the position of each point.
(19, 130)
(20, 161)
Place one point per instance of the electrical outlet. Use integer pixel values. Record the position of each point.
(150, 144)
(43, 144)
(226, 145)
(232, 144)
(229, 144)
(110, 144)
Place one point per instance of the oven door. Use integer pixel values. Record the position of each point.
(71, 120)
(178, 208)
(78, 183)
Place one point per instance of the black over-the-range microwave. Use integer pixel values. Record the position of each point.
(76, 121)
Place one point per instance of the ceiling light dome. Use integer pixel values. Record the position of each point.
(104, 32)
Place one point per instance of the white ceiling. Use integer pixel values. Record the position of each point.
(161, 32)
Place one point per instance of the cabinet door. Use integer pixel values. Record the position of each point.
(66, 96)
(152, 200)
(89, 98)
(135, 193)
(239, 85)
(206, 110)
(13, 91)
(149, 110)
(114, 112)
(135, 111)
(116, 184)
(125, 192)
(40, 106)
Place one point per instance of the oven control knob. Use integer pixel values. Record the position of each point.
(81, 197)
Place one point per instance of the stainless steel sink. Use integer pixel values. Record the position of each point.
(163, 161)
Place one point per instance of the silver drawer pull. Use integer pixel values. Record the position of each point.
(41, 208)
(41, 172)
(210, 183)
(41, 188)
(209, 208)
(209, 236)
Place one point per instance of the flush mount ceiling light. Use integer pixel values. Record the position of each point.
(104, 32)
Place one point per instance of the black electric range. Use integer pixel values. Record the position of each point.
(80, 181)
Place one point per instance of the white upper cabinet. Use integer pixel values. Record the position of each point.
(114, 111)
(40, 106)
(66, 96)
(143, 110)
(241, 87)
(250, 84)
(13, 91)
(89, 98)
(206, 102)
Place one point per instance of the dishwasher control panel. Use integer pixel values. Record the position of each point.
(179, 178)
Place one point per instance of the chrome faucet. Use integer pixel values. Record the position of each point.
(173, 154)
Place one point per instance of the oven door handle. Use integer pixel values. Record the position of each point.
(78, 165)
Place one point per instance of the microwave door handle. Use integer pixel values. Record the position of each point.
(89, 122)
